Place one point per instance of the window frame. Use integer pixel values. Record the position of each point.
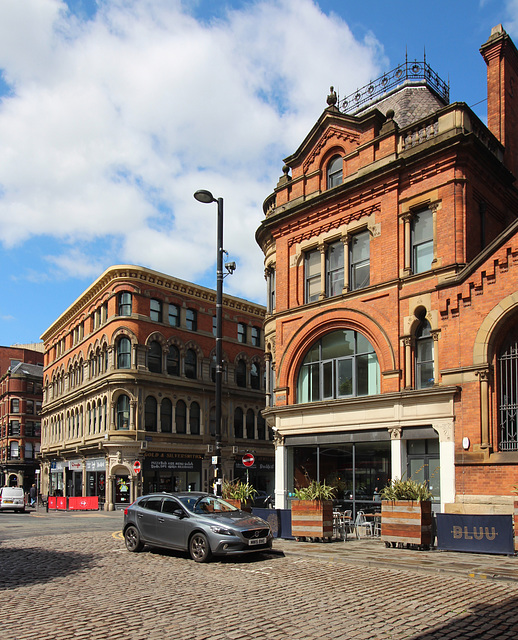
(357, 263)
(191, 319)
(123, 354)
(174, 314)
(422, 244)
(123, 305)
(335, 171)
(156, 310)
(332, 286)
(423, 339)
(312, 279)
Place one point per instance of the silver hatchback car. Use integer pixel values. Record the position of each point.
(200, 523)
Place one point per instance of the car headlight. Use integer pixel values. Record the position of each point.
(222, 531)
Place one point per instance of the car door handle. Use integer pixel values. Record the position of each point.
(139, 515)
(161, 519)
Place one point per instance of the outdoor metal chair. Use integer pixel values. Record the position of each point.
(363, 523)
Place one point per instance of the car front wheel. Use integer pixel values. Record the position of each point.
(132, 539)
(199, 548)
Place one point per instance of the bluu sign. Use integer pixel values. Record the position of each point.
(478, 534)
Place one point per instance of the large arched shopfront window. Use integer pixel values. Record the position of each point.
(341, 364)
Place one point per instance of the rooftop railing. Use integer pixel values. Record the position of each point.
(406, 73)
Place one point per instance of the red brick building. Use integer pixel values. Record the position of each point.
(391, 254)
(21, 377)
(129, 377)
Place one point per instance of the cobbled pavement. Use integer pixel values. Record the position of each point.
(87, 586)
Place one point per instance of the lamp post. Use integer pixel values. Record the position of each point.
(207, 197)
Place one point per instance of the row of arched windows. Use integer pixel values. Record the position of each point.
(186, 418)
(170, 361)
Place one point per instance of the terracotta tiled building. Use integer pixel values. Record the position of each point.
(391, 255)
(129, 377)
(21, 378)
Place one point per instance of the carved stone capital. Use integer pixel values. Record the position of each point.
(278, 439)
(395, 433)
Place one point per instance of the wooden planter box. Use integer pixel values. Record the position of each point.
(405, 523)
(243, 505)
(312, 519)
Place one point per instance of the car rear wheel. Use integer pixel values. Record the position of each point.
(132, 539)
(199, 548)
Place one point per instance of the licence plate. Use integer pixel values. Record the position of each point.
(8, 501)
(255, 541)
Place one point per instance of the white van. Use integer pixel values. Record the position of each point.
(12, 498)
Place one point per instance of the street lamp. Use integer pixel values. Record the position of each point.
(206, 197)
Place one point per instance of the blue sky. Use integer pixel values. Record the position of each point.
(113, 112)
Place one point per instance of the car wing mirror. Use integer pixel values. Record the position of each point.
(179, 513)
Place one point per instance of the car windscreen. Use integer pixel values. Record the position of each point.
(206, 505)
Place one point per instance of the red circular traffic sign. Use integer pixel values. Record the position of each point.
(248, 460)
(136, 466)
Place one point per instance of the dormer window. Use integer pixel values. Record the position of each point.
(334, 172)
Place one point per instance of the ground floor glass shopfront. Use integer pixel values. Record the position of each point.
(358, 470)
(171, 473)
(360, 464)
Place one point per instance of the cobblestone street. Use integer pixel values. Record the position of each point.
(86, 585)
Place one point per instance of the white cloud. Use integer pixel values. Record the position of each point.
(115, 122)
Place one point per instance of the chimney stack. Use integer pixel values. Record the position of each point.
(501, 58)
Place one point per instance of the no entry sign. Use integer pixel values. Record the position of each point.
(136, 466)
(248, 460)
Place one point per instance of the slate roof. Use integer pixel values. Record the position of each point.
(409, 103)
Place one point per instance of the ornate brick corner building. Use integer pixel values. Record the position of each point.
(21, 378)
(391, 255)
(129, 377)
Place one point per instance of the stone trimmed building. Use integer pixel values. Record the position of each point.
(21, 378)
(129, 377)
(391, 256)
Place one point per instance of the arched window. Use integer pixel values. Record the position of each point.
(190, 364)
(173, 361)
(150, 420)
(154, 357)
(15, 450)
(181, 413)
(238, 423)
(250, 424)
(424, 374)
(507, 381)
(194, 418)
(255, 381)
(123, 411)
(166, 416)
(241, 373)
(124, 353)
(125, 303)
(334, 172)
(339, 365)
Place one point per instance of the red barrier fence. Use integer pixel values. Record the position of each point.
(83, 504)
(90, 503)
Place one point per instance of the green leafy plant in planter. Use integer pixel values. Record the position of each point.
(238, 493)
(312, 512)
(406, 514)
(399, 489)
(315, 491)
